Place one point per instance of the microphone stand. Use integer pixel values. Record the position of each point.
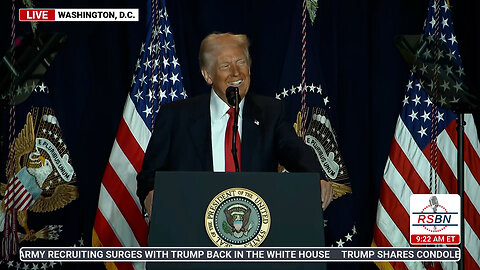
(461, 185)
(235, 130)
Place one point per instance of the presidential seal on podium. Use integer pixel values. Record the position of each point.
(237, 217)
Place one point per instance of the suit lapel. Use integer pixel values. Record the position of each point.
(200, 132)
(251, 132)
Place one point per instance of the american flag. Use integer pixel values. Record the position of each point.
(157, 80)
(409, 167)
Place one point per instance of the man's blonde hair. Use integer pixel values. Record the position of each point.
(215, 41)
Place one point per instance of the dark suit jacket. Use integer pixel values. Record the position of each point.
(181, 140)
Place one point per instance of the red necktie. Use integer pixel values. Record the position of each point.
(229, 163)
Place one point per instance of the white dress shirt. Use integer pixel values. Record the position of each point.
(218, 124)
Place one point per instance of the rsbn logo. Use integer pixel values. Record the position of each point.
(431, 222)
(434, 217)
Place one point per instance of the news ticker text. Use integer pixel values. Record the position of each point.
(259, 254)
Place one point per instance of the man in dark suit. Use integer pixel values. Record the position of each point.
(192, 135)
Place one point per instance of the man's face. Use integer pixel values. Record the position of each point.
(229, 68)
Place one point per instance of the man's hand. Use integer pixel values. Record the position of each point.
(327, 193)
(148, 203)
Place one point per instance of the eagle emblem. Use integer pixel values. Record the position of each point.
(323, 140)
(237, 217)
(40, 176)
(237, 223)
(321, 137)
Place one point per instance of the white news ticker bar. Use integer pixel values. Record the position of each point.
(79, 14)
(258, 254)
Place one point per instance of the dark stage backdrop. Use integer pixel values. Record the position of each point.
(360, 69)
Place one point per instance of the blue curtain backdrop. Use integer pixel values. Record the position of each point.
(360, 69)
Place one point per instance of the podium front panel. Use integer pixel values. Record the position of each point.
(181, 200)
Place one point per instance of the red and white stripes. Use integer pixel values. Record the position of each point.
(119, 202)
(17, 196)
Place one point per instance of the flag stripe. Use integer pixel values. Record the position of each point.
(418, 160)
(407, 172)
(136, 125)
(470, 262)
(389, 229)
(127, 142)
(9, 198)
(24, 202)
(398, 212)
(21, 198)
(113, 215)
(125, 266)
(470, 155)
(102, 224)
(126, 204)
(14, 187)
(17, 187)
(471, 132)
(125, 171)
(448, 265)
(20, 195)
(444, 171)
(383, 242)
(380, 239)
(471, 216)
(471, 245)
(417, 163)
(393, 235)
(471, 187)
(471, 212)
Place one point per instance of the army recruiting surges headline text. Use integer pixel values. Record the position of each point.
(258, 254)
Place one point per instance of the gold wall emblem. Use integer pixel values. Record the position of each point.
(40, 166)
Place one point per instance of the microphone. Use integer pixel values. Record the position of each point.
(233, 98)
(434, 205)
